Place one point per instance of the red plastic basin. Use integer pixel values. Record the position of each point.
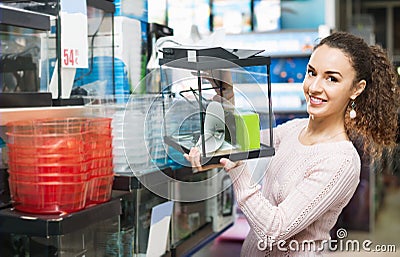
(46, 158)
(102, 162)
(48, 197)
(100, 189)
(49, 177)
(105, 171)
(67, 168)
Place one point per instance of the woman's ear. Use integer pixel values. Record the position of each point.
(358, 89)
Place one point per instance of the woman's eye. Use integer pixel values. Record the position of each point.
(332, 79)
(310, 73)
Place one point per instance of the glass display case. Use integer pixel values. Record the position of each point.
(121, 226)
(203, 210)
(199, 214)
(24, 48)
(213, 106)
(147, 175)
(98, 78)
(137, 207)
(94, 231)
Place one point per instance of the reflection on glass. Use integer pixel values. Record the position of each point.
(23, 54)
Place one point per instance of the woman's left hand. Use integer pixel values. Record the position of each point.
(228, 164)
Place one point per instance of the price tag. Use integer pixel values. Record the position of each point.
(71, 57)
(74, 34)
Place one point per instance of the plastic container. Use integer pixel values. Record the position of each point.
(68, 147)
(48, 197)
(61, 126)
(53, 162)
(137, 159)
(105, 171)
(46, 159)
(97, 142)
(102, 162)
(102, 152)
(119, 160)
(100, 189)
(49, 177)
(48, 126)
(99, 123)
(55, 141)
(36, 169)
(100, 130)
(122, 168)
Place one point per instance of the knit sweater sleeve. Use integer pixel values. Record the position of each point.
(279, 132)
(331, 182)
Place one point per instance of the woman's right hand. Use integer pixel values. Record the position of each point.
(221, 79)
(194, 158)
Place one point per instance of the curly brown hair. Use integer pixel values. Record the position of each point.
(377, 106)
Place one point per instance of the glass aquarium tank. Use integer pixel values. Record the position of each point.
(24, 44)
(220, 106)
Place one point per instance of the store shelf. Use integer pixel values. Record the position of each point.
(196, 241)
(14, 114)
(233, 155)
(22, 18)
(207, 63)
(22, 99)
(12, 221)
(132, 182)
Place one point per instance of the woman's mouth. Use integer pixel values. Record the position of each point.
(316, 100)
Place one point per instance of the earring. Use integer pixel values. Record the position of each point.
(353, 113)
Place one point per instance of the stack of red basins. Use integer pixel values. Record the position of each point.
(53, 163)
(101, 160)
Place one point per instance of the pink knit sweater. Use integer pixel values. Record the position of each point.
(304, 191)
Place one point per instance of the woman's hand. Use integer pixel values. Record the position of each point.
(228, 164)
(194, 158)
(221, 80)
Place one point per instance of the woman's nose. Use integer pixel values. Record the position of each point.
(315, 85)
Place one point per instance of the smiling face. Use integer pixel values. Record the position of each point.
(328, 84)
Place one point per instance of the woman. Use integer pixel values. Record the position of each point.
(352, 93)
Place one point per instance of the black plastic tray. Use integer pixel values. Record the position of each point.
(16, 222)
(25, 99)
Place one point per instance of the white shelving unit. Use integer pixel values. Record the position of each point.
(15, 114)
